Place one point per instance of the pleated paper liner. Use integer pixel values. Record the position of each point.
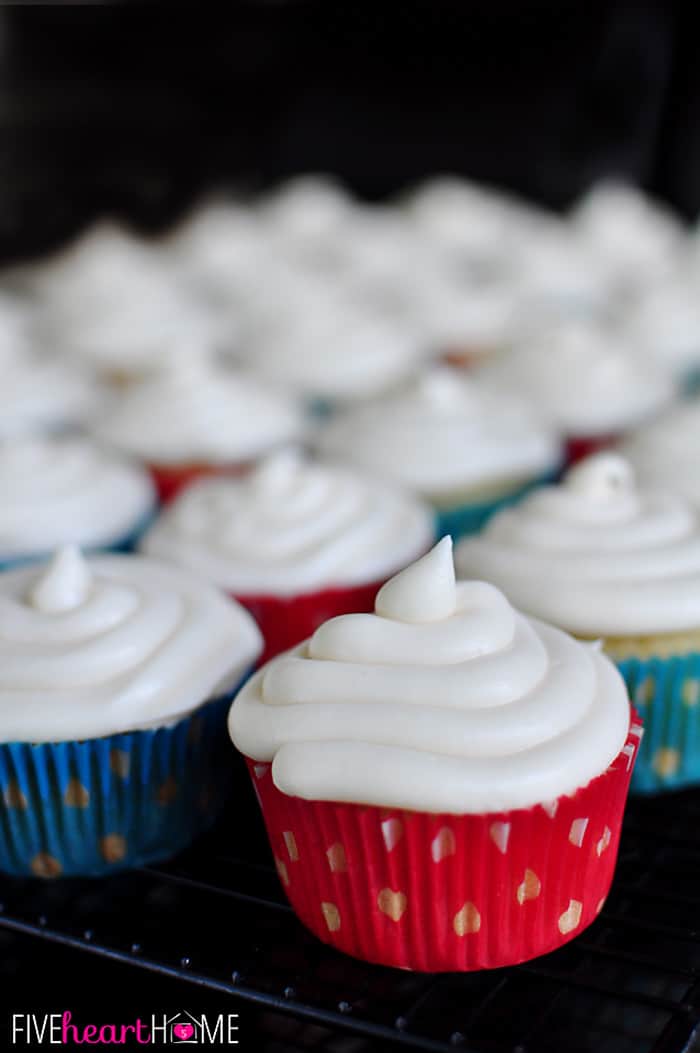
(448, 892)
(100, 805)
(666, 691)
(169, 480)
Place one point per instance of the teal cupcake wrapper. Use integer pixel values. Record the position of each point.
(666, 692)
(100, 805)
(470, 517)
(125, 543)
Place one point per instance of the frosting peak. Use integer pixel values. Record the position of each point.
(64, 584)
(603, 477)
(425, 591)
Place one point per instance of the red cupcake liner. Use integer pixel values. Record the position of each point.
(448, 892)
(578, 447)
(285, 621)
(171, 479)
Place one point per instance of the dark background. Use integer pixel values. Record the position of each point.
(133, 109)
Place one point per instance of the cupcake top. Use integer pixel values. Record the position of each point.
(291, 526)
(306, 212)
(57, 490)
(442, 435)
(445, 699)
(194, 411)
(664, 454)
(596, 555)
(664, 324)
(112, 644)
(40, 395)
(585, 380)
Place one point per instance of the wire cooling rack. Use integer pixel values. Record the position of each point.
(216, 918)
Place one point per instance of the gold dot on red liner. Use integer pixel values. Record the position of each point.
(570, 919)
(392, 903)
(666, 761)
(604, 841)
(467, 920)
(76, 795)
(529, 888)
(45, 866)
(113, 848)
(577, 832)
(443, 844)
(499, 834)
(392, 832)
(13, 796)
(601, 904)
(331, 915)
(167, 791)
(282, 871)
(290, 842)
(336, 858)
(120, 763)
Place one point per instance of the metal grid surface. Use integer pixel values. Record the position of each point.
(628, 984)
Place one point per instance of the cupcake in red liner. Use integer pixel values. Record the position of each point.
(194, 418)
(586, 381)
(443, 781)
(296, 542)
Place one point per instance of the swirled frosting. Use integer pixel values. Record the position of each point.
(445, 699)
(664, 454)
(443, 435)
(291, 526)
(585, 380)
(194, 411)
(664, 323)
(55, 491)
(40, 395)
(597, 555)
(112, 644)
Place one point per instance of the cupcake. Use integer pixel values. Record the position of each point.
(195, 418)
(664, 454)
(115, 678)
(294, 542)
(442, 781)
(663, 323)
(306, 217)
(584, 380)
(61, 490)
(609, 560)
(464, 448)
(40, 395)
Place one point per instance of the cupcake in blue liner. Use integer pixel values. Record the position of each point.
(453, 441)
(60, 490)
(608, 559)
(116, 673)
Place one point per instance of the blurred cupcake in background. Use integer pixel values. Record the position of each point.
(306, 217)
(663, 325)
(443, 780)
(67, 490)
(461, 446)
(195, 418)
(609, 560)
(42, 395)
(115, 676)
(664, 454)
(584, 380)
(294, 541)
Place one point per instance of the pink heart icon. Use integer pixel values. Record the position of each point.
(183, 1031)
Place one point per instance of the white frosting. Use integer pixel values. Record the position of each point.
(59, 490)
(197, 412)
(306, 212)
(596, 555)
(664, 454)
(444, 700)
(37, 394)
(585, 380)
(112, 644)
(556, 267)
(291, 526)
(664, 324)
(441, 435)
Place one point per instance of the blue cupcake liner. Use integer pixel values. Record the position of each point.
(100, 805)
(690, 382)
(666, 692)
(470, 517)
(126, 543)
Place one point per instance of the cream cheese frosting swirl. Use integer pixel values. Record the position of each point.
(664, 454)
(291, 526)
(442, 435)
(195, 411)
(112, 644)
(55, 491)
(445, 699)
(596, 555)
